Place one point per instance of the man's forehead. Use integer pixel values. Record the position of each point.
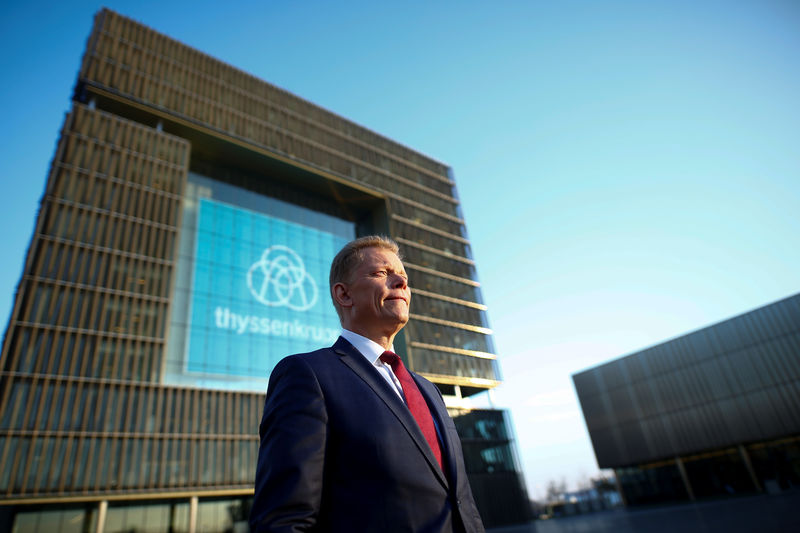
(382, 256)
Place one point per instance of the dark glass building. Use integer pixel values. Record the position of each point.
(712, 413)
(181, 249)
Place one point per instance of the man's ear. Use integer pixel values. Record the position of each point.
(342, 295)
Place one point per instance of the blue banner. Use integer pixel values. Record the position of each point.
(259, 291)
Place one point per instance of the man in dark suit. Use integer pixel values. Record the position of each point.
(352, 442)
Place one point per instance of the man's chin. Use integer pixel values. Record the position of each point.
(400, 319)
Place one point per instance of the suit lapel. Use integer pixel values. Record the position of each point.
(358, 364)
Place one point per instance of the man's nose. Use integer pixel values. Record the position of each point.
(398, 281)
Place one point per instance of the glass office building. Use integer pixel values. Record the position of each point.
(181, 249)
(709, 414)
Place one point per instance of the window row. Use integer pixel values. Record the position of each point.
(131, 408)
(444, 244)
(98, 190)
(116, 464)
(453, 364)
(52, 352)
(453, 312)
(427, 333)
(142, 142)
(96, 267)
(427, 281)
(433, 219)
(424, 258)
(73, 222)
(54, 305)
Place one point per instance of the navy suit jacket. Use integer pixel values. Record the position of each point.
(340, 452)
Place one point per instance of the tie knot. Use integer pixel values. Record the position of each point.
(390, 358)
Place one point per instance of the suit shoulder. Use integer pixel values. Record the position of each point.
(313, 359)
(299, 370)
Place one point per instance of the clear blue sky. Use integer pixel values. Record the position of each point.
(629, 171)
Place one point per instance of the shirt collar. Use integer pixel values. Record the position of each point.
(366, 347)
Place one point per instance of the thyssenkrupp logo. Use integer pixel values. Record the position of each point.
(279, 278)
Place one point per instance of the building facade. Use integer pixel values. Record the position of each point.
(181, 249)
(709, 414)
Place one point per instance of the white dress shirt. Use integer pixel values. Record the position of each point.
(372, 351)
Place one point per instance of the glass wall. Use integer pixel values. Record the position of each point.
(213, 515)
(719, 473)
(148, 518)
(777, 464)
(485, 439)
(58, 519)
(251, 286)
(652, 484)
(223, 515)
(492, 466)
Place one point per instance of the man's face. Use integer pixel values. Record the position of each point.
(379, 291)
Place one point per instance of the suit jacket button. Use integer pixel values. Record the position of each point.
(458, 502)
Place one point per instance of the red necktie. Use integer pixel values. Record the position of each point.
(416, 403)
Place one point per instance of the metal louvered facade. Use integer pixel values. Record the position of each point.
(711, 413)
(104, 422)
